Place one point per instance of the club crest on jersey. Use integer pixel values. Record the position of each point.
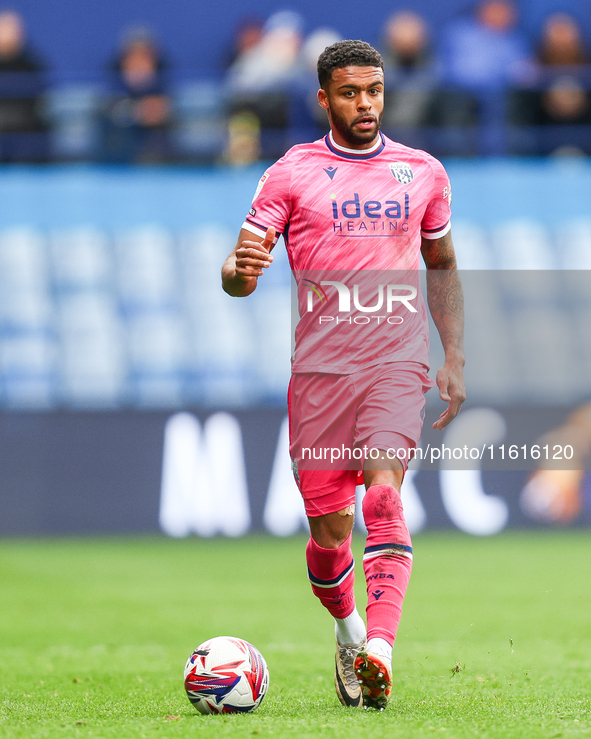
(402, 172)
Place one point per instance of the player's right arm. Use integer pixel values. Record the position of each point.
(247, 262)
(252, 255)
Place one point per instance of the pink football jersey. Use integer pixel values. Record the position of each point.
(352, 222)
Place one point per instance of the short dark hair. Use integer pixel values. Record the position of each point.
(346, 54)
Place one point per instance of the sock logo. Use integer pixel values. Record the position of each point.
(381, 576)
(337, 599)
(377, 594)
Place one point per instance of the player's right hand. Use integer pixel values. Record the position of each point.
(252, 257)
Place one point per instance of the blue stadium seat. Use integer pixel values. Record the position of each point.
(472, 245)
(92, 358)
(222, 356)
(273, 341)
(545, 346)
(199, 130)
(72, 111)
(524, 244)
(146, 268)
(23, 258)
(156, 342)
(149, 292)
(573, 240)
(27, 339)
(27, 364)
(81, 259)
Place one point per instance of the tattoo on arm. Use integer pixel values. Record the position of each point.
(444, 291)
(454, 298)
(439, 253)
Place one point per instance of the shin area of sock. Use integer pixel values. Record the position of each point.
(387, 561)
(332, 576)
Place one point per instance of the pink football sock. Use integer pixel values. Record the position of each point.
(387, 561)
(332, 574)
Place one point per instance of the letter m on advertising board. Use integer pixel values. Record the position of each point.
(204, 489)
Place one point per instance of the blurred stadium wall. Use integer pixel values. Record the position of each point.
(136, 396)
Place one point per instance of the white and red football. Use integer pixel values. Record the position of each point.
(226, 675)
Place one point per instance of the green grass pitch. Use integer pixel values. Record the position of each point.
(495, 639)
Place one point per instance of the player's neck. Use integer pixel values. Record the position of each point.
(339, 143)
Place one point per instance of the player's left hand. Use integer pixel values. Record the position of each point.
(452, 389)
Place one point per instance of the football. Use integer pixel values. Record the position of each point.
(226, 675)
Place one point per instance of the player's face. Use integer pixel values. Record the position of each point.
(354, 100)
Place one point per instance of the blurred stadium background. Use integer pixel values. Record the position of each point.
(131, 139)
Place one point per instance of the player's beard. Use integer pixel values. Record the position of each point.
(345, 129)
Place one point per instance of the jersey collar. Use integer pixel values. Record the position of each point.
(355, 154)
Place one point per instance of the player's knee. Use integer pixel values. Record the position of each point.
(382, 503)
(331, 530)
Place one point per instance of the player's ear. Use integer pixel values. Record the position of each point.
(323, 98)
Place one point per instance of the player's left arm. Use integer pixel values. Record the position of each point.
(446, 303)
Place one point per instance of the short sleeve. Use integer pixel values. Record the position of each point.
(437, 219)
(271, 205)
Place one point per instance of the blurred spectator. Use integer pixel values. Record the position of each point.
(560, 93)
(244, 139)
(483, 56)
(411, 76)
(562, 43)
(306, 113)
(14, 55)
(21, 90)
(248, 35)
(565, 101)
(137, 118)
(486, 50)
(553, 120)
(271, 63)
(313, 46)
(563, 98)
(257, 81)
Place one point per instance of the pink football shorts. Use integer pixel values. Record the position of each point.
(338, 421)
